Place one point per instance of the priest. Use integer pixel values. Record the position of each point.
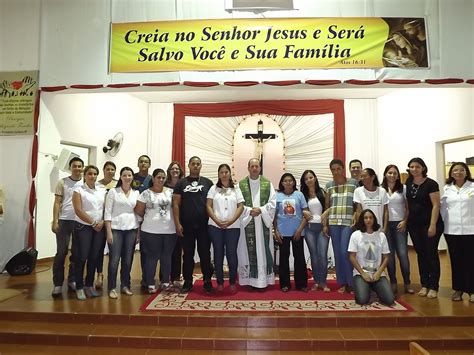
(255, 249)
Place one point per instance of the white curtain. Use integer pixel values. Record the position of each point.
(308, 142)
(210, 139)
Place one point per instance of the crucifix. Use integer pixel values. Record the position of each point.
(260, 138)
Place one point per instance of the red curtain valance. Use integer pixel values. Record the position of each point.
(283, 107)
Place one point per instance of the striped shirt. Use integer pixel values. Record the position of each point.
(341, 202)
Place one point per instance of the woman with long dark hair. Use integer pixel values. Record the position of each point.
(369, 253)
(317, 241)
(157, 231)
(424, 225)
(457, 209)
(371, 196)
(289, 226)
(121, 225)
(107, 182)
(225, 204)
(173, 174)
(396, 232)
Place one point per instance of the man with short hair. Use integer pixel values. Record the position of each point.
(355, 167)
(255, 249)
(142, 179)
(63, 225)
(191, 221)
(338, 220)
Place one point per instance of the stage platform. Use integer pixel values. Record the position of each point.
(32, 322)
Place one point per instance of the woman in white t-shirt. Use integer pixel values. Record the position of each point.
(121, 225)
(88, 202)
(396, 231)
(225, 204)
(369, 253)
(157, 232)
(371, 196)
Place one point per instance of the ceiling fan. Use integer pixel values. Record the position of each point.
(113, 145)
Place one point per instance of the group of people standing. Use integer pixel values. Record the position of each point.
(169, 213)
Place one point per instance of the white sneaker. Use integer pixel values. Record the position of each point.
(113, 294)
(57, 290)
(126, 291)
(164, 286)
(432, 294)
(80, 294)
(152, 289)
(423, 292)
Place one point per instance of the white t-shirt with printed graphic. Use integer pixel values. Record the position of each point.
(158, 218)
(369, 249)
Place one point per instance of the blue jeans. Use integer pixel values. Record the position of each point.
(157, 246)
(340, 236)
(397, 242)
(121, 250)
(89, 243)
(381, 287)
(318, 245)
(224, 241)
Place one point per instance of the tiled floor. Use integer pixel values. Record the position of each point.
(108, 316)
(36, 296)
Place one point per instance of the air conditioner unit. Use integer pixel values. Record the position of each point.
(63, 160)
(258, 5)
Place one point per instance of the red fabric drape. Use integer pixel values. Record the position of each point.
(53, 88)
(362, 82)
(169, 83)
(323, 82)
(87, 86)
(401, 81)
(31, 242)
(122, 86)
(241, 83)
(282, 82)
(444, 81)
(201, 84)
(283, 107)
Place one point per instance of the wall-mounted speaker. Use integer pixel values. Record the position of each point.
(22, 263)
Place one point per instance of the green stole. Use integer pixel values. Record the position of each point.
(250, 229)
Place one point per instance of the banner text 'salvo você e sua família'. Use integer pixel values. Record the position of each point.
(265, 44)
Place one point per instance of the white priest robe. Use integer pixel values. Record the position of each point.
(266, 217)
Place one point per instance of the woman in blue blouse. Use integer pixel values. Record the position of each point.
(289, 228)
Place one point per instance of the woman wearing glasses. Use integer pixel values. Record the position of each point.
(457, 209)
(424, 224)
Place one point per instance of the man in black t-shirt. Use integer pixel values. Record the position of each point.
(141, 182)
(190, 218)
